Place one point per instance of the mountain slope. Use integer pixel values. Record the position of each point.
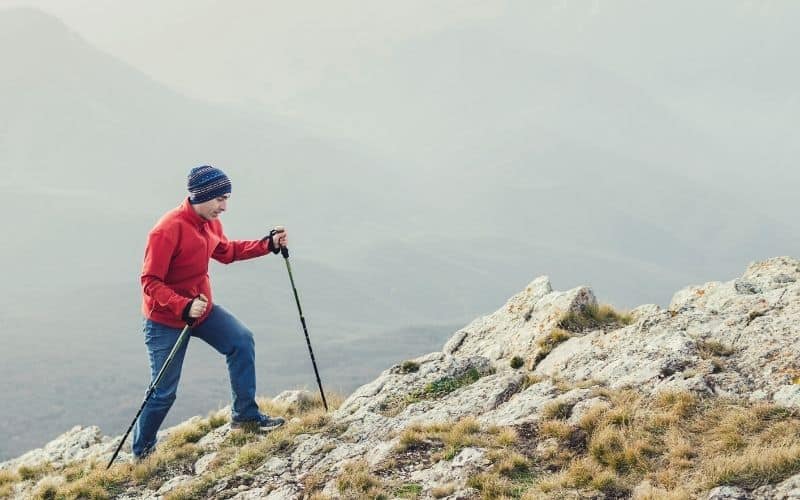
(551, 395)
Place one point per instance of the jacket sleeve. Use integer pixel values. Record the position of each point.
(157, 257)
(228, 251)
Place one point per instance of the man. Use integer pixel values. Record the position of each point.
(176, 290)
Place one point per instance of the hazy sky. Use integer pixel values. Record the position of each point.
(724, 67)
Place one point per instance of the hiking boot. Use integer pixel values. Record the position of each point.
(137, 459)
(262, 423)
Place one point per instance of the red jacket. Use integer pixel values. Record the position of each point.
(176, 260)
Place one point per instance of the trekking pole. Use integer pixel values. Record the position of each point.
(285, 252)
(151, 390)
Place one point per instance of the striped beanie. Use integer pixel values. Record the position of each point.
(206, 183)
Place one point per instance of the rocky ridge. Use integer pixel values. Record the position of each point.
(524, 385)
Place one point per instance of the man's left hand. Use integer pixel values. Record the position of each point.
(280, 238)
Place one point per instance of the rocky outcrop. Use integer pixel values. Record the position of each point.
(736, 340)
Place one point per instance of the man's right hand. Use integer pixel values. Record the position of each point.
(198, 307)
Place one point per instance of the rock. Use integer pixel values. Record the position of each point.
(787, 395)
(788, 489)
(728, 493)
(296, 397)
(274, 466)
(253, 494)
(455, 471)
(203, 462)
(215, 437)
(174, 483)
(287, 492)
(76, 444)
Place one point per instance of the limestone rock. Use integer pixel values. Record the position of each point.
(456, 471)
(788, 489)
(296, 397)
(203, 462)
(174, 483)
(728, 493)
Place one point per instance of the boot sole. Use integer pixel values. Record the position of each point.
(252, 427)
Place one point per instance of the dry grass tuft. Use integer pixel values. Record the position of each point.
(549, 342)
(34, 472)
(355, 481)
(313, 482)
(680, 444)
(558, 410)
(593, 317)
(754, 466)
(491, 485)
(8, 477)
(711, 348)
(555, 429)
(47, 489)
(443, 491)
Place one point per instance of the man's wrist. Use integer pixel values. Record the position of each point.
(185, 315)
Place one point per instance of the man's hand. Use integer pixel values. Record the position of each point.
(280, 238)
(198, 307)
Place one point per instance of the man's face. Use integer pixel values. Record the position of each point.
(211, 209)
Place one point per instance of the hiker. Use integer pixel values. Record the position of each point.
(177, 289)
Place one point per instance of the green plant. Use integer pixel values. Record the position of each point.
(409, 367)
(408, 490)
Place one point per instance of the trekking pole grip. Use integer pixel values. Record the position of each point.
(272, 246)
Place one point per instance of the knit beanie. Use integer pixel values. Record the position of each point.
(206, 183)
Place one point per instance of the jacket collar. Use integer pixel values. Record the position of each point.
(187, 211)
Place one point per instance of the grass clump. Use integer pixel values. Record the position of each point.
(409, 367)
(407, 490)
(313, 482)
(594, 317)
(491, 485)
(241, 450)
(7, 481)
(98, 483)
(677, 442)
(444, 386)
(453, 437)
(517, 362)
(754, 467)
(355, 481)
(46, 490)
(549, 342)
(190, 432)
(34, 472)
(558, 410)
(443, 491)
(711, 348)
(217, 419)
(555, 429)
(166, 462)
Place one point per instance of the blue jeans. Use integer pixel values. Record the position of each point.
(222, 331)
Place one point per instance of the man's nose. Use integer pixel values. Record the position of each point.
(223, 206)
